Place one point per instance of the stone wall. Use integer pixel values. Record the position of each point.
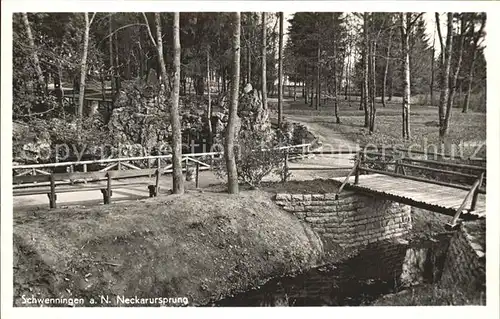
(464, 267)
(352, 220)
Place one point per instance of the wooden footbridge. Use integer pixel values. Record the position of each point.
(440, 186)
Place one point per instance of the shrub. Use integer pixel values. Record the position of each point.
(257, 156)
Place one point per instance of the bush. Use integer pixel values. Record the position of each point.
(257, 156)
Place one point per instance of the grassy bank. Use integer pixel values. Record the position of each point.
(464, 128)
(200, 245)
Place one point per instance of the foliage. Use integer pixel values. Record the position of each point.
(257, 156)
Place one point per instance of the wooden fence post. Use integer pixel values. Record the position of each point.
(358, 164)
(197, 174)
(106, 192)
(476, 192)
(285, 176)
(52, 194)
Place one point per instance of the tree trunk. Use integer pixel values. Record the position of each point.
(453, 84)
(311, 89)
(209, 108)
(83, 69)
(280, 72)
(365, 69)
(406, 73)
(34, 54)
(335, 86)
(318, 78)
(374, 88)
(432, 69)
(445, 75)
(386, 69)
(232, 173)
(465, 108)
(177, 178)
(295, 89)
(264, 61)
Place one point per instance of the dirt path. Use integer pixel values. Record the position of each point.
(329, 140)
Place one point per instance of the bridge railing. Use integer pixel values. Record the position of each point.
(393, 166)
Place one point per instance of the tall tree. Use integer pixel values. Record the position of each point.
(386, 68)
(366, 51)
(432, 67)
(83, 70)
(477, 36)
(264, 60)
(280, 71)
(178, 182)
(405, 26)
(209, 107)
(456, 71)
(34, 54)
(445, 73)
(232, 172)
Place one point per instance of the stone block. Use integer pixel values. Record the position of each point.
(307, 198)
(283, 197)
(297, 197)
(317, 197)
(330, 196)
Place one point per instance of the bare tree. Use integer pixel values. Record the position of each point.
(83, 69)
(264, 53)
(178, 182)
(386, 68)
(433, 56)
(232, 172)
(405, 51)
(406, 23)
(209, 108)
(280, 72)
(445, 73)
(365, 68)
(456, 71)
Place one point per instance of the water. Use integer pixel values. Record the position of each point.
(377, 270)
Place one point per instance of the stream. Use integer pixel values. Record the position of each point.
(377, 270)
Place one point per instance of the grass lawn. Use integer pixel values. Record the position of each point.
(464, 128)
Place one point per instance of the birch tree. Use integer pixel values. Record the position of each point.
(34, 54)
(445, 73)
(264, 53)
(83, 69)
(177, 178)
(232, 172)
(280, 71)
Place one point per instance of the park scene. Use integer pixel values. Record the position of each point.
(224, 159)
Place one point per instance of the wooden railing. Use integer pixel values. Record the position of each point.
(440, 167)
(25, 184)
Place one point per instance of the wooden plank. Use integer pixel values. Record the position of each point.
(30, 179)
(416, 178)
(132, 173)
(89, 176)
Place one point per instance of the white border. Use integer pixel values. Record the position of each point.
(493, 140)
